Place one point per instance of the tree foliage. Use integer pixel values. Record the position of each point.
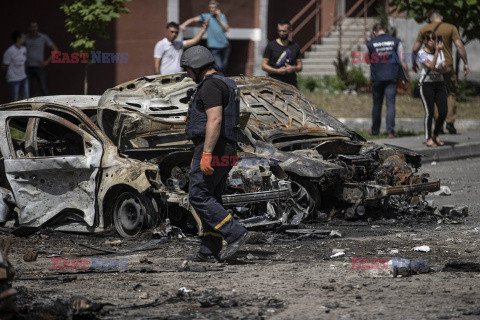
(464, 14)
(89, 18)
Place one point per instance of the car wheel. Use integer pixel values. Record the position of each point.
(305, 201)
(131, 213)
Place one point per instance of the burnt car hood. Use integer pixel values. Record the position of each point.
(278, 112)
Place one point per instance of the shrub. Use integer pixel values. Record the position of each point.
(355, 77)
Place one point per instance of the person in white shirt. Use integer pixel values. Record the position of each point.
(14, 62)
(167, 52)
(432, 86)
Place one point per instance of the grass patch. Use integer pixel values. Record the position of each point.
(360, 106)
(382, 135)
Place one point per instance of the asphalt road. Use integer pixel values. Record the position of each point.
(277, 277)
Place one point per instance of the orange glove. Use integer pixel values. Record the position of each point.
(206, 163)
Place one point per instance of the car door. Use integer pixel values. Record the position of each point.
(51, 166)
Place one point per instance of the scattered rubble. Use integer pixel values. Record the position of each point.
(444, 191)
(422, 249)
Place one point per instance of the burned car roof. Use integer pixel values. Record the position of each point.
(277, 110)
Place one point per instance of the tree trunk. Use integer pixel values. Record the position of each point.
(85, 80)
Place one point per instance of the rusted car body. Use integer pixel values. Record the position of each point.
(64, 172)
(331, 165)
(89, 163)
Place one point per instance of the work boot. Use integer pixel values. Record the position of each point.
(450, 128)
(234, 246)
(202, 257)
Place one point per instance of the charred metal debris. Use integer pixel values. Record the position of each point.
(89, 163)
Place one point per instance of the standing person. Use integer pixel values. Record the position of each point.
(217, 41)
(36, 42)
(449, 34)
(384, 73)
(166, 55)
(432, 86)
(212, 123)
(281, 58)
(14, 62)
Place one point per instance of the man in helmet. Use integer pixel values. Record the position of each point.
(212, 124)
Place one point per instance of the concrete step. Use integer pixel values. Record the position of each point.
(316, 62)
(320, 59)
(320, 54)
(333, 41)
(349, 32)
(324, 47)
(317, 74)
(319, 69)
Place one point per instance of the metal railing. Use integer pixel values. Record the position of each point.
(335, 24)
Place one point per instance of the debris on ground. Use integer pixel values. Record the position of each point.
(462, 267)
(422, 249)
(335, 234)
(113, 243)
(338, 254)
(30, 256)
(444, 191)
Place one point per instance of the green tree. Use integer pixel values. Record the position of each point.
(89, 18)
(464, 14)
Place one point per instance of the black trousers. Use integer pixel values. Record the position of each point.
(433, 93)
(205, 196)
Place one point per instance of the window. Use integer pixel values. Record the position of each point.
(51, 138)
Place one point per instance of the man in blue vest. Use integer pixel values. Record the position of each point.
(385, 55)
(212, 124)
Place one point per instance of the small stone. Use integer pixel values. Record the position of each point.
(335, 234)
(143, 295)
(114, 242)
(30, 256)
(145, 260)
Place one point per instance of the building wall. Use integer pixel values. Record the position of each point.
(242, 17)
(62, 78)
(137, 33)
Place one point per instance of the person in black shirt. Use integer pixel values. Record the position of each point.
(281, 58)
(212, 123)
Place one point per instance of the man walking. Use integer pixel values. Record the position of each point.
(385, 70)
(36, 42)
(449, 34)
(217, 41)
(281, 58)
(212, 123)
(166, 55)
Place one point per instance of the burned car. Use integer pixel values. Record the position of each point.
(122, 161)
(331, 168)
(60, 170)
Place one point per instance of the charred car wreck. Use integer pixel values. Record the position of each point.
(124, 162)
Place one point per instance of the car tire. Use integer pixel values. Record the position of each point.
(305, 197)
(312, 198)
(132, 212)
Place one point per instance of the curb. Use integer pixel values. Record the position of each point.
(451, 152)
(408, 124)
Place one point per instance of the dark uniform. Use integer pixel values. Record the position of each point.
(385, 71)
(205, 191)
